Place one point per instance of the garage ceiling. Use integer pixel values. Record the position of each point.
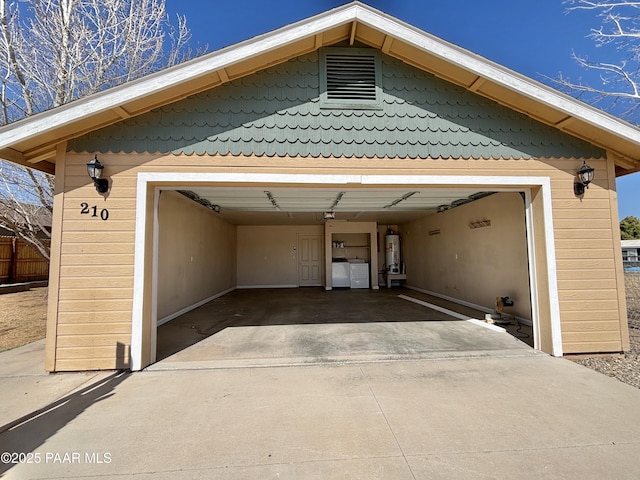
(286, 205)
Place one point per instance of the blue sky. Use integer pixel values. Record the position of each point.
(534, 38)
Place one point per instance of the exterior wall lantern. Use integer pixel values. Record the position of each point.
(94, 169)
(585, 176)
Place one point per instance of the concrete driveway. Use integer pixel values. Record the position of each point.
(514, 414)
(376, 390)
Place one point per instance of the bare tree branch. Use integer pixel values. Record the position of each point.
(53, 52)
(26, 204)
(617, 87)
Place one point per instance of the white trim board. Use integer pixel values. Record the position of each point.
(173, 180)
(250, 287)
(187, 309)
(453, 314)
(524, 321)
(138, 275)
(437, 308)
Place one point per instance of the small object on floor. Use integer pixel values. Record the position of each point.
(498, 319)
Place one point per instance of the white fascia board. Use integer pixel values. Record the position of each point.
(178, 179)
(446, 180)
(502, 76)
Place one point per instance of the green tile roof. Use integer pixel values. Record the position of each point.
(276, 112)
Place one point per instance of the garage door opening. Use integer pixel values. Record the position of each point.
(458, 238)
(466, 246)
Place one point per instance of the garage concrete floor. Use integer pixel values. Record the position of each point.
(267, 327)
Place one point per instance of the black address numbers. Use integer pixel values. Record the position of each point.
(102, 214)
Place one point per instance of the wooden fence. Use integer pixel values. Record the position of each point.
(19, 262)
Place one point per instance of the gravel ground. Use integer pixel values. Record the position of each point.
(625, 368)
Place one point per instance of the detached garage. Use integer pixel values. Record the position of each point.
(279, 161)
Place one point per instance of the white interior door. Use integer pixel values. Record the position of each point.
(310, 265)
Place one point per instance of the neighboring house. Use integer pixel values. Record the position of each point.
(631, 254)
(220, 171)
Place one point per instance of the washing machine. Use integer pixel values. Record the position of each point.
(359, 274)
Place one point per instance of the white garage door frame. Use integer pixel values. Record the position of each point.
(491, 183)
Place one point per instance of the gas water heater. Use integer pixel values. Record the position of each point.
(392, 242)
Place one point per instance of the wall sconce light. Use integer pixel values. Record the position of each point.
(585, 176)
(94, 169)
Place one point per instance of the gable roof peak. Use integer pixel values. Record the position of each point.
(33, 141)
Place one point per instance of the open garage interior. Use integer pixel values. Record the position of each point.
(460, 247)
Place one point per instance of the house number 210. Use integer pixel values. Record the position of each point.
(93, 211)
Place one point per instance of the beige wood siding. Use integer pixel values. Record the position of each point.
(89, 315)
(94, 298)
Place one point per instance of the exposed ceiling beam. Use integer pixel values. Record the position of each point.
(477, 83)
(224, 77)
(121, 112)
(562, 124)
(386, 45)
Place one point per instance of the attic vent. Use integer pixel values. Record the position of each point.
(350, 78)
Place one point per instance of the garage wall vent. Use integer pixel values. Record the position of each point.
(350, 78)
(434, 232)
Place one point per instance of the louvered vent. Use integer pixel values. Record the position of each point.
(351, 77)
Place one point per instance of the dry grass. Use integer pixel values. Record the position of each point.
(23, 317)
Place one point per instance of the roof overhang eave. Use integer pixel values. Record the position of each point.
(82, 116)
(628, 159)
